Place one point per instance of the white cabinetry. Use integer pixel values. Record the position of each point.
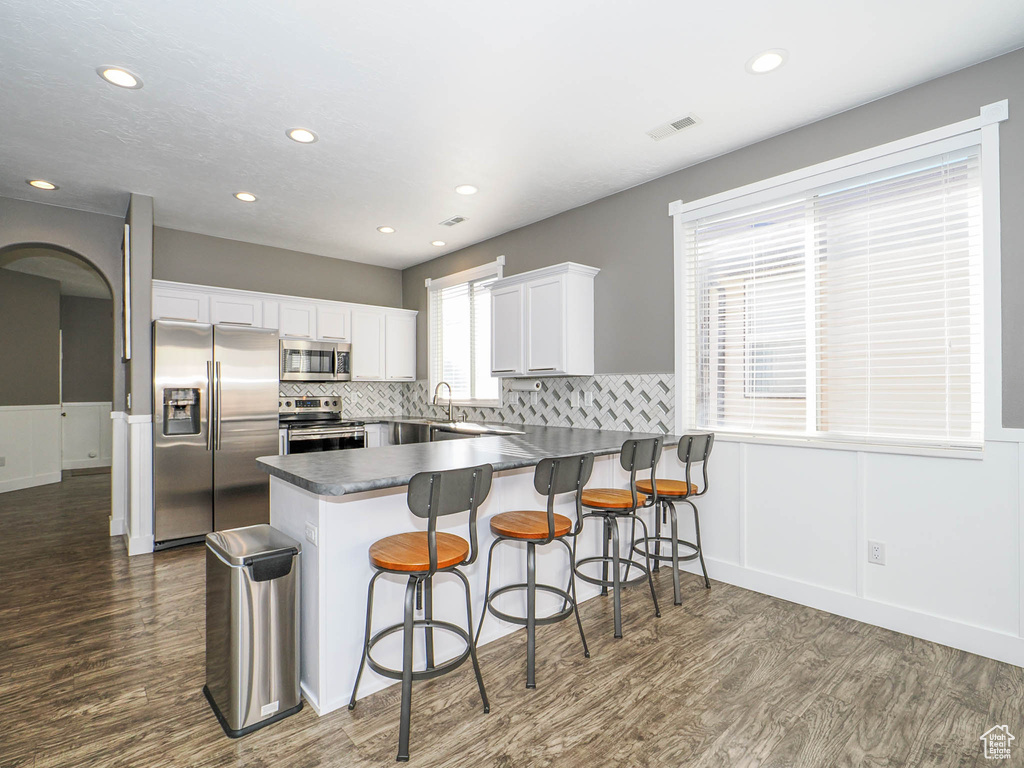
(173, 303)
(367, 345)
(332, 322)
(400, 347)
(507, 330)
(297, 320)
(236, 309)
(542, 322)
(378, 435)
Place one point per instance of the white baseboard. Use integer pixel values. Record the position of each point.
(117, 527)
(310, 699)
(85, 463)
(140, 545)
(955, 634)
(20, 483)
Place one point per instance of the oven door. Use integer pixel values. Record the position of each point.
(308, 361)
(314, 439)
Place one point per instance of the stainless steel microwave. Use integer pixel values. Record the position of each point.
(315, 361)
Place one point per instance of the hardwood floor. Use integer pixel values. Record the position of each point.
(101, 664)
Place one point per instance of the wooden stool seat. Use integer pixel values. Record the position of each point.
(611, 498)
(409, 552)
(668, 487)
(528, 524)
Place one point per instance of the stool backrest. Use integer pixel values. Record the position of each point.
(638, 456)
(448, 492)
(696, 449)
(563, 474)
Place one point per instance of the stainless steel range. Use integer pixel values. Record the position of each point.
(316, 424)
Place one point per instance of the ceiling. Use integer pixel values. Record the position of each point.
(75, 277)
(544, 106)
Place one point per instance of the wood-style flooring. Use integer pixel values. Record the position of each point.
(102, 664)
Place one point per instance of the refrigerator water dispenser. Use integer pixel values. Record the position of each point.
(181, 412)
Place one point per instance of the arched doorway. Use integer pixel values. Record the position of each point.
(57, 380)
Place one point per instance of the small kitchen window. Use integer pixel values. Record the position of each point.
(459, 335)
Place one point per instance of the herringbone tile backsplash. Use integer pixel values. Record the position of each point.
(637, 402)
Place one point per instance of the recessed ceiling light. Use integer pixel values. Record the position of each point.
(439, 243)
(767, 61)
(466, 189)
(302, 135)
(40, 184)
(386, 230)
(122, 78)
(246, 197)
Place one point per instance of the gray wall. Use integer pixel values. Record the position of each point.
(29, 332)
(629, 235)
(87, 333)
(140, 382)
(191, 258)
(93, 236)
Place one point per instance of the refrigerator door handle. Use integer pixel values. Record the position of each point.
(209, 405)
(217, 368)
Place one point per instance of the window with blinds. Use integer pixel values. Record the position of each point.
(460, 340)
(848, 312)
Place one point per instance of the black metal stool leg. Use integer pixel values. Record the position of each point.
(647, 558)
(657, 534)
(606, 535)
(677, 597)
(407, 638)
(613, 529)
(428, 614)
(700, 549)
(531, 614)
(575, 599)
(487, 591)
(366, 638)
(632, 540)
(472, 647)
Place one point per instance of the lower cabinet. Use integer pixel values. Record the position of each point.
(378, 435)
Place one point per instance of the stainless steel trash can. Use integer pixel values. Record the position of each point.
(252, 627)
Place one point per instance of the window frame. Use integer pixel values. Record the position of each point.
(493, 270)
(982, 131)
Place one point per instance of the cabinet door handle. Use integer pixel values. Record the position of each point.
(544, 369)
(233, 322)
(298, 335)
(504, 370)
(339, 338)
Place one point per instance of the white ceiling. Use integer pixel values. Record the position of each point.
(75, 277)
(543, 105)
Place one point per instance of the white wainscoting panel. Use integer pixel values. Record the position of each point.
(30, 446)
(140, 491)
(119, 468)
(87, 435)
(950, 531)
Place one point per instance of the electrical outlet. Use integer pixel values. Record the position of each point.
(311, 533)
(588, 399)
(876, 552)
(577, 398)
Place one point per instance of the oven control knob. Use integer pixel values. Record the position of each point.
(288, 403)
(334, 402)
(279, 403)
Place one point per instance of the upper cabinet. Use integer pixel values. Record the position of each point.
(400, 346)
(297, 320)
(367, 345)
(542, 322)
(383, 339)
(333, 322)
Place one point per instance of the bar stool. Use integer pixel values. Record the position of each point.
(693, 449)
(419, 556)
(613, 504)
(565, 474)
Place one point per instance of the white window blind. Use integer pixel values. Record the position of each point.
(460, 339)
(850, 312)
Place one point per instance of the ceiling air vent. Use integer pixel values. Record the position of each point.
(453, 221)
(671, 129)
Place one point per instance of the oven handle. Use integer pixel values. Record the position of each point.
(294, 436)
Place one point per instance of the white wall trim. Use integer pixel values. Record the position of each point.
(140, 496)
(966, 637)
(119, 477)
(21, 483)
(30, 437)
(47, 407)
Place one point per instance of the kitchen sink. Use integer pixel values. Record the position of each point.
(433, 430)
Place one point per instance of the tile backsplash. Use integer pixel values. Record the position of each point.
(642, 402)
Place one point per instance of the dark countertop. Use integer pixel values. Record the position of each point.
(336, 473)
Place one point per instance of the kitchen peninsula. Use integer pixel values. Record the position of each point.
(338, 503)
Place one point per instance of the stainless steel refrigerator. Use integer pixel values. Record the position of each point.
(215, 411)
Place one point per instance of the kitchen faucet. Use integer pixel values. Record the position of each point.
(438, 389)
